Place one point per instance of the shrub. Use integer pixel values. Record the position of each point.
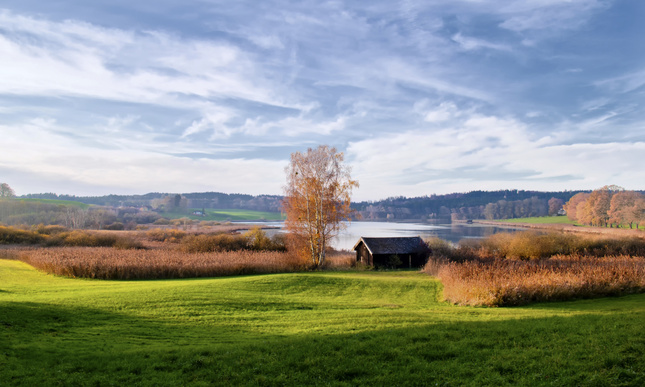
(48, 230)
(116, 226)
(467, 249)
(11, 235)
(256, 239)
(206, 243)
(78, 238)
(165, 235)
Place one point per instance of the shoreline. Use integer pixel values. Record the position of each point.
(563, 228)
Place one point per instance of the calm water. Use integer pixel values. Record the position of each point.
(450, 232)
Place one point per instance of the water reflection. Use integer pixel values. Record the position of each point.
(451, 232)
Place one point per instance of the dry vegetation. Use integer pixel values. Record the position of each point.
(152, 254)
(516, 269)
(108, 263)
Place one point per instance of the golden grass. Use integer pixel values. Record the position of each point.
(516, 269)
(109, 263)
(507, 282)
(339, 260)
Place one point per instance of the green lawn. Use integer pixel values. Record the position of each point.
(329, 328)
(227, 215)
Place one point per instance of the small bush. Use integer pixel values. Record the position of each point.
(254, 239)
(116, 226)
(78, 238)
(165, 235)
(48, 230)
(207, 243)
(11, 235)
(467, 249)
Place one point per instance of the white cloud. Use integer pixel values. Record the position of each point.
(469, 43)
(56, 156)
(548, 14)
(215, 119)
(624, 83)
(293, 126)
(79, 59)
(486, 152)
(267, 41)
(444, 112)
(328, 72)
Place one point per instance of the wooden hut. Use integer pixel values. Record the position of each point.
(396, 252)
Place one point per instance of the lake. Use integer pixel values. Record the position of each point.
(451, 232)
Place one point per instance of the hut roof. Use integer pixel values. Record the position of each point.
(393, 245)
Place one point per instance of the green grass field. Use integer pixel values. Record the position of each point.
(549, 220)
(227, 215)
(319, 328)
(55, 202)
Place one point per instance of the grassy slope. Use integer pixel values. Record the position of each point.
(229, 214)
(55, 201)
(303, 329)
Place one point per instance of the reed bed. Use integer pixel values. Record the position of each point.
(339, 260)
(516, 269)
(510, 282)
(532, 245)
(109, 263)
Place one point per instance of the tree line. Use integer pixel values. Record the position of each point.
(609, 206)
(503, 204)
(17, 212)
(267, 203)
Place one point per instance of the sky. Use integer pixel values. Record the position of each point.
(422, 97)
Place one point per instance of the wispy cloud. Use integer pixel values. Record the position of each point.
(487, 151)
(126, 169)
(424, 96)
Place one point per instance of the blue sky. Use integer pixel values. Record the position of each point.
(423, 97)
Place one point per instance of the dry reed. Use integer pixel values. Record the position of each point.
(108, 263)
(339, 260)
(515, 269)
(512, 282)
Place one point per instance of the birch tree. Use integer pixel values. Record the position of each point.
(317, 200)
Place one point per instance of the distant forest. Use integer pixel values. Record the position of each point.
(456, 206)
(266, 203)
(504, 204)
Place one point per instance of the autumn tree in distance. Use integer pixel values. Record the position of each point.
(317, 200)
(6, 191)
